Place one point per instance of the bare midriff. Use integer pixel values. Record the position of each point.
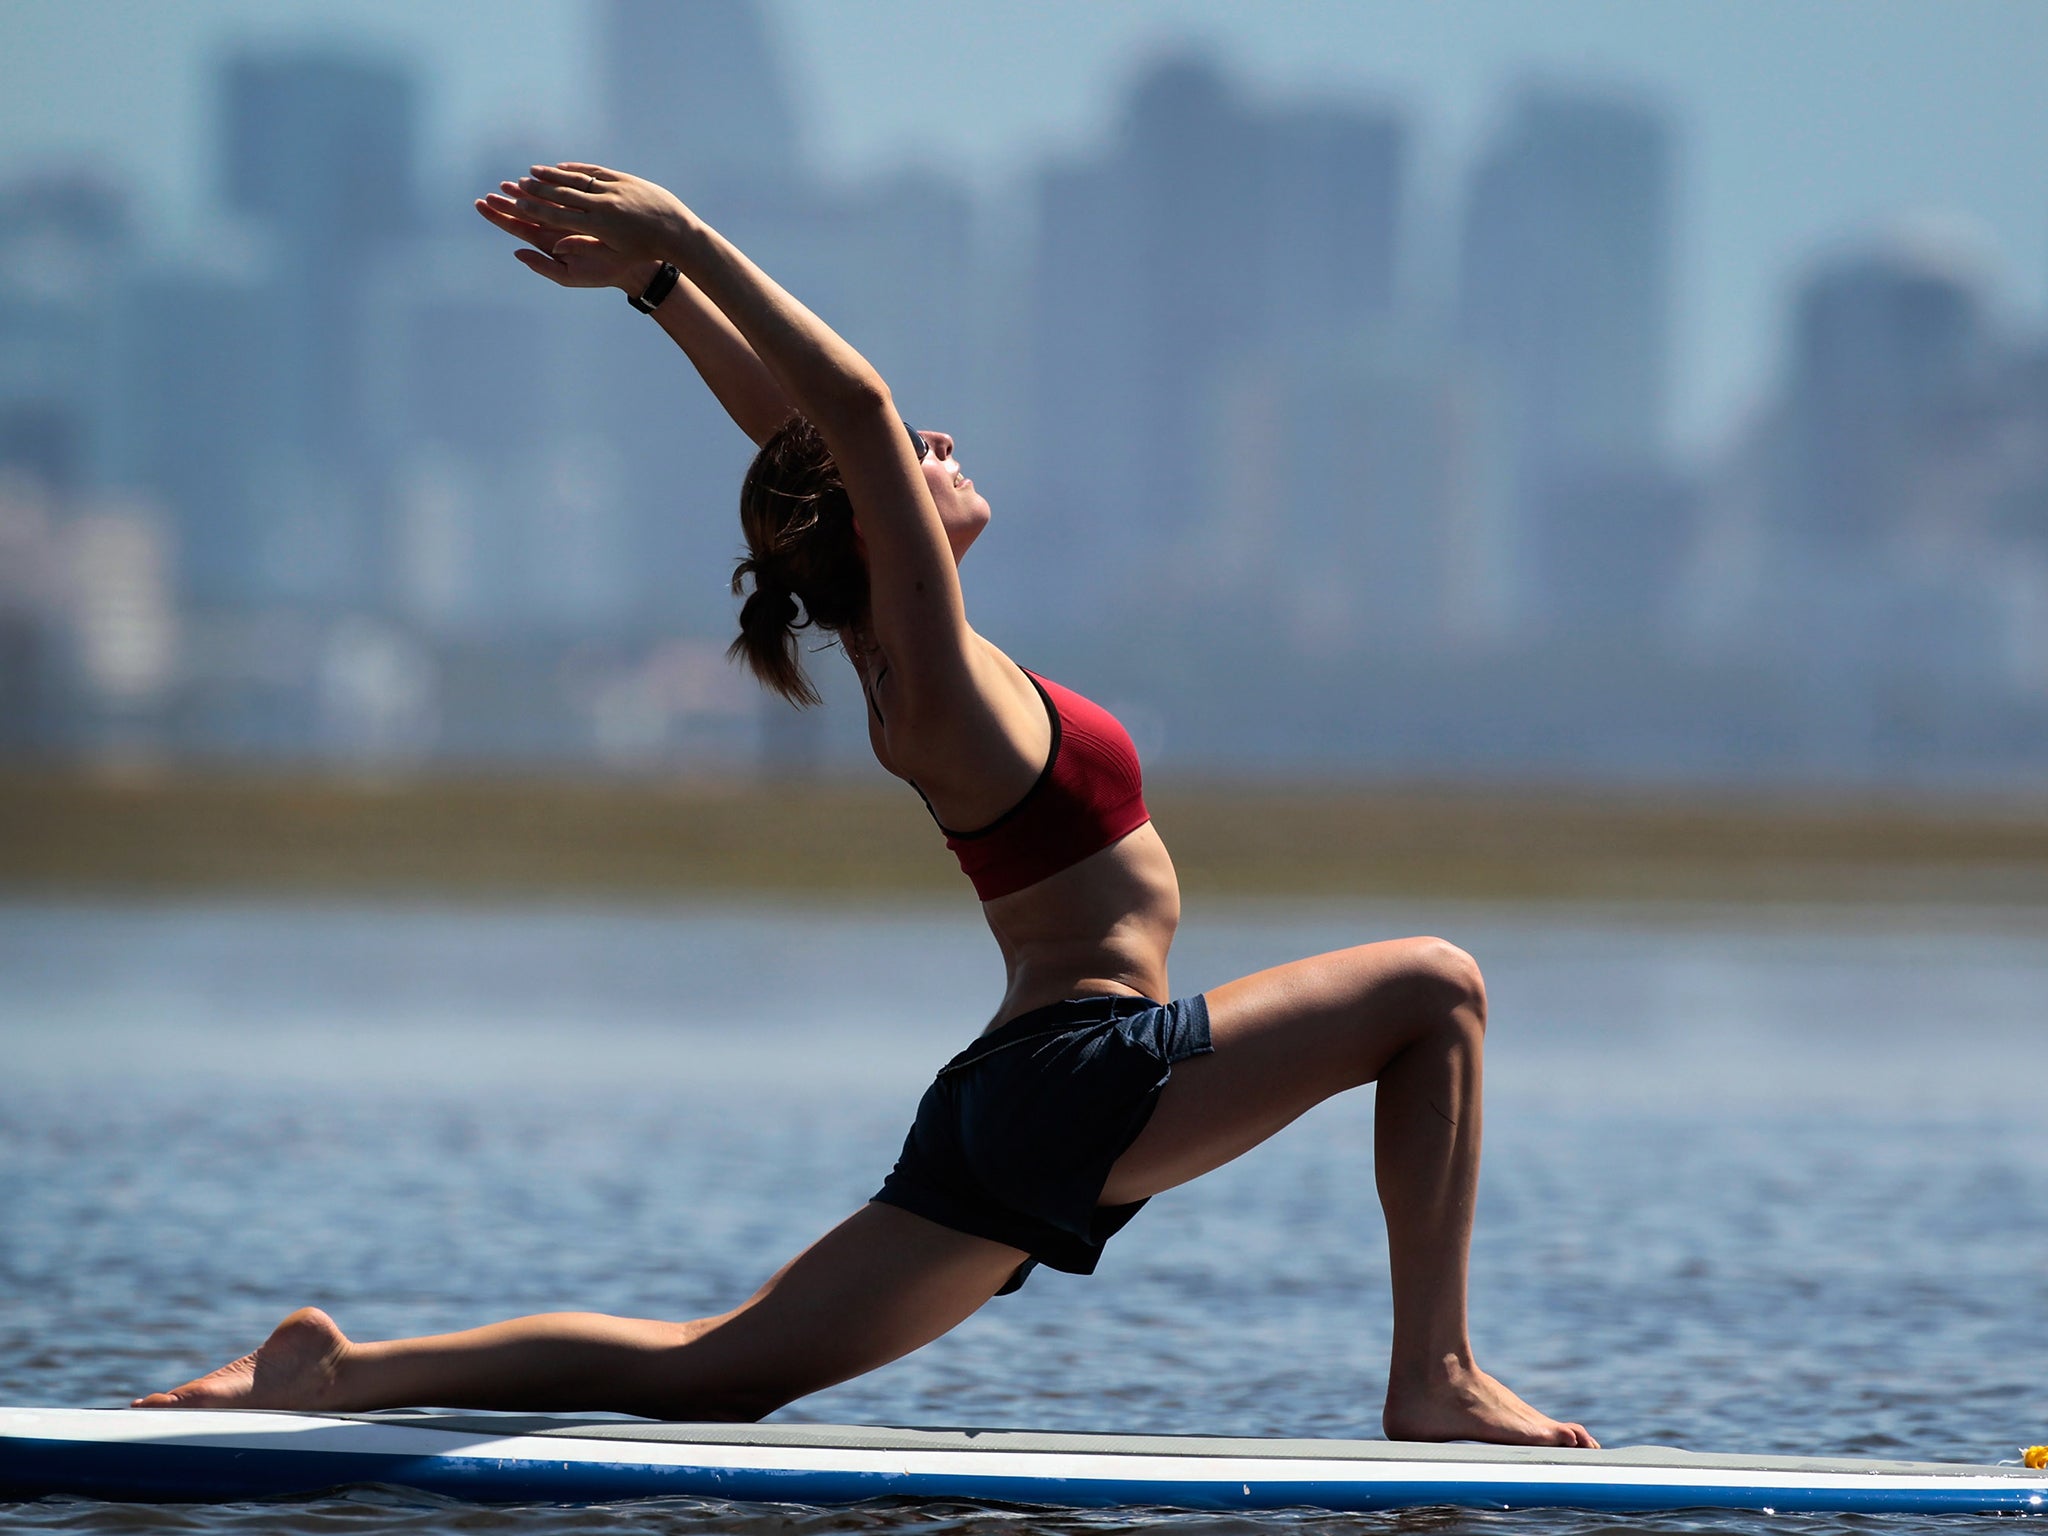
(1102, 926)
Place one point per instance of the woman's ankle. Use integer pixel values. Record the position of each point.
(1430, 1366)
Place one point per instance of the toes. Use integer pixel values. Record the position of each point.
(1572, 1436)
(156, 1400)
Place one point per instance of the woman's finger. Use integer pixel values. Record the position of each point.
(554, 192)
(574, 172)
(504, 203)
(557, 215)
(537, 235)
(502, 210)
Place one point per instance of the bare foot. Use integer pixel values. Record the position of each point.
(293, 1368)
(1462, 1402)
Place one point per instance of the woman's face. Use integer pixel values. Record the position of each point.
(962, 509)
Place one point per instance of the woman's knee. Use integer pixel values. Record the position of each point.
(1448, 980)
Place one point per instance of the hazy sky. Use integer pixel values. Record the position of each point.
(1802, 121)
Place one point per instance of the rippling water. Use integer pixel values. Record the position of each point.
(1755, 1183)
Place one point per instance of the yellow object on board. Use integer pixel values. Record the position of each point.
(2036, 1457)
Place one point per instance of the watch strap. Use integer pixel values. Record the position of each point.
(659, 287)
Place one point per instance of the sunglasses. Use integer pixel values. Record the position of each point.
(917, 439)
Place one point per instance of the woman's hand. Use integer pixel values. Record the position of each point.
(574, 261)
(633, 217)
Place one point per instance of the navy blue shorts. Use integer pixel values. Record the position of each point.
(1016, 1135)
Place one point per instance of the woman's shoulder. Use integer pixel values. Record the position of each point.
(979, 752)
(986, 687)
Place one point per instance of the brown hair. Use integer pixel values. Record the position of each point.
(802, 548)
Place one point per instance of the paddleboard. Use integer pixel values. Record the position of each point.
(134, 1454)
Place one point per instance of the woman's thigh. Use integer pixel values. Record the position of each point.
(1288, 1038)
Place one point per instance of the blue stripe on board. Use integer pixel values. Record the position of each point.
(193, 1473)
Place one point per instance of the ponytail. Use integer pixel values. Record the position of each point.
(769, 620)
(804, 557)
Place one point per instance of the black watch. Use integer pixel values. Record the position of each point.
(659, 287)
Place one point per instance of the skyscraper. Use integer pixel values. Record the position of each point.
(1609, 551)
(318, 150)
(1886, 340)
(1564, 276)
(1214, 236)
(1193, 161)
(1564, 293)
(695, 97)
(320, 145)
(474, 399)
(199, 423)
(55, 428)
(1330, 202)
(1083, 389)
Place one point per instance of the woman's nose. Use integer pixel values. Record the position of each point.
(942, 445)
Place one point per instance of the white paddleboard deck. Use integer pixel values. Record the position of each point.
(517, 1458)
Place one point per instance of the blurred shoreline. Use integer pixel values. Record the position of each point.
(483, 837)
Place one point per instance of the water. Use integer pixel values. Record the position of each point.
(1770, 1183)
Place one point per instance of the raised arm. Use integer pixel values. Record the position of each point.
(720, 354)
(917, 611)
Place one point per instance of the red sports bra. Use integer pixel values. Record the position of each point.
(1089, 795)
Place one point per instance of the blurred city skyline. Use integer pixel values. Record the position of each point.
(1800, 127)
(1313, 449)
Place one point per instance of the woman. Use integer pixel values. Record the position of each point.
(1084, 1097)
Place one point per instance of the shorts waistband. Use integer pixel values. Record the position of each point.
(1068, 1013)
